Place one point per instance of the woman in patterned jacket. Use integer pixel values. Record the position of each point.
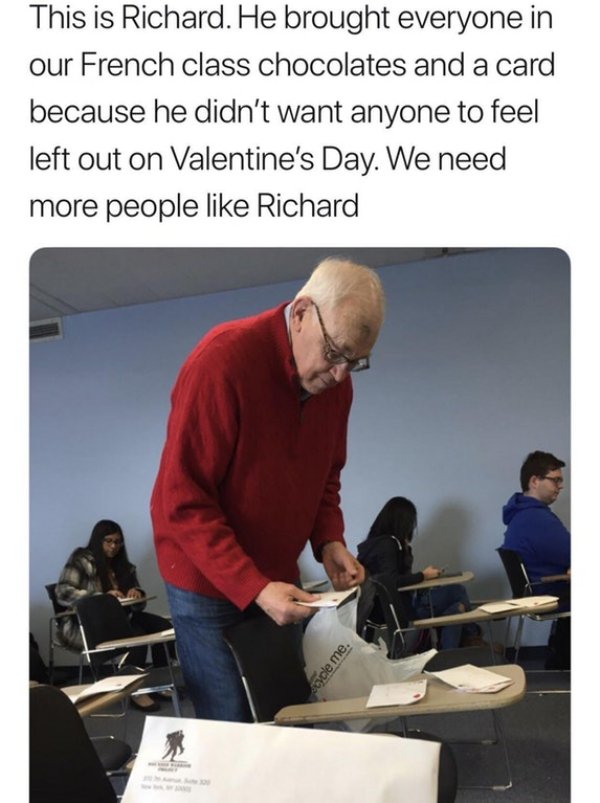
(103, 567)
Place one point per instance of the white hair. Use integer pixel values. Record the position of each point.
(337, 281)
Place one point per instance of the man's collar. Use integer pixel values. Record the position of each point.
(304, 394)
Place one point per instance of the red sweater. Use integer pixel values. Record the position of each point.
(248, 473)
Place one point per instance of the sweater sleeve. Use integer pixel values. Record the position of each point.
(75, 581)
(541, 539)
(409, 579)
(201, 441)
(329, 522)
(558, 543)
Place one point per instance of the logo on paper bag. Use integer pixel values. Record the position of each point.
(320, 678)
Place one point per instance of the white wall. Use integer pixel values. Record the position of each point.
(470, 373)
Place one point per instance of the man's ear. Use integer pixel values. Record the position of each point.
(300, 307)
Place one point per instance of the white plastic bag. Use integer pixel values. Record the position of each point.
(339, 663)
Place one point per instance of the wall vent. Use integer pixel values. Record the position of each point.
(50, 329)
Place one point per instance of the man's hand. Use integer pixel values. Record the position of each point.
(134, 593)
(342, 568)
(278, 601)
(114, 592)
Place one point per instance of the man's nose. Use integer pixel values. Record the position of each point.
(339, 372)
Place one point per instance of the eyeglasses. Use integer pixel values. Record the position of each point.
(113, 541)
(558, 481)
(335, 357)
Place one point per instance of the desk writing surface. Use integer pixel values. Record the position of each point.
(137, 641)
(442, 580)
(132, 601)
(440, 699)
(553, 578)
(99, 702)
(477, 615)
(125, 601)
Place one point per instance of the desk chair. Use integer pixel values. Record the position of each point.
(379, 594)
(107, 634)
(63, 763)
(521, 586)
(54, 640)
(380, 590)
(272, 672)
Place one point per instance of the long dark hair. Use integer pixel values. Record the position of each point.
(397, 517)
(120, 563)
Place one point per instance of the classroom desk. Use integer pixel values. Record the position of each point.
(478, 615)
(554, 578)
(162, 637)
(440, 699)
(438, 582)
(99, 702)
(442, 580)
(125, 602)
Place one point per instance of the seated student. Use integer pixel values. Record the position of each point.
(542, 541)
(102, 567)
(387, 550)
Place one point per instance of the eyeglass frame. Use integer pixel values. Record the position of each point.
(558, 481)
(334, 356)
(111, 541)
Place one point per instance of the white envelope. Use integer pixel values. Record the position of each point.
(189, 760)
(406, 693)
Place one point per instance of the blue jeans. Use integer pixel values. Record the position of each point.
(211, 675)
(446, 600)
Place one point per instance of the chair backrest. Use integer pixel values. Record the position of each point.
(51, 591)
(269, 660)
(381, 600)
(102, 618)
(63, 765)
(516, 572)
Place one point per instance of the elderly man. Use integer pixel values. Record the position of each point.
(542, 540)
(250, 470)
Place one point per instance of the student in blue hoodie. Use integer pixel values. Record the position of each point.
(541, 539)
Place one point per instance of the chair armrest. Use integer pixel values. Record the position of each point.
(63, 614)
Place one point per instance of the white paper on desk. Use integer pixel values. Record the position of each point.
(407, 693)
(473, 679)
(112, 683)
(329, 599)
(514, 604)
(543, 599)
(197, 761)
